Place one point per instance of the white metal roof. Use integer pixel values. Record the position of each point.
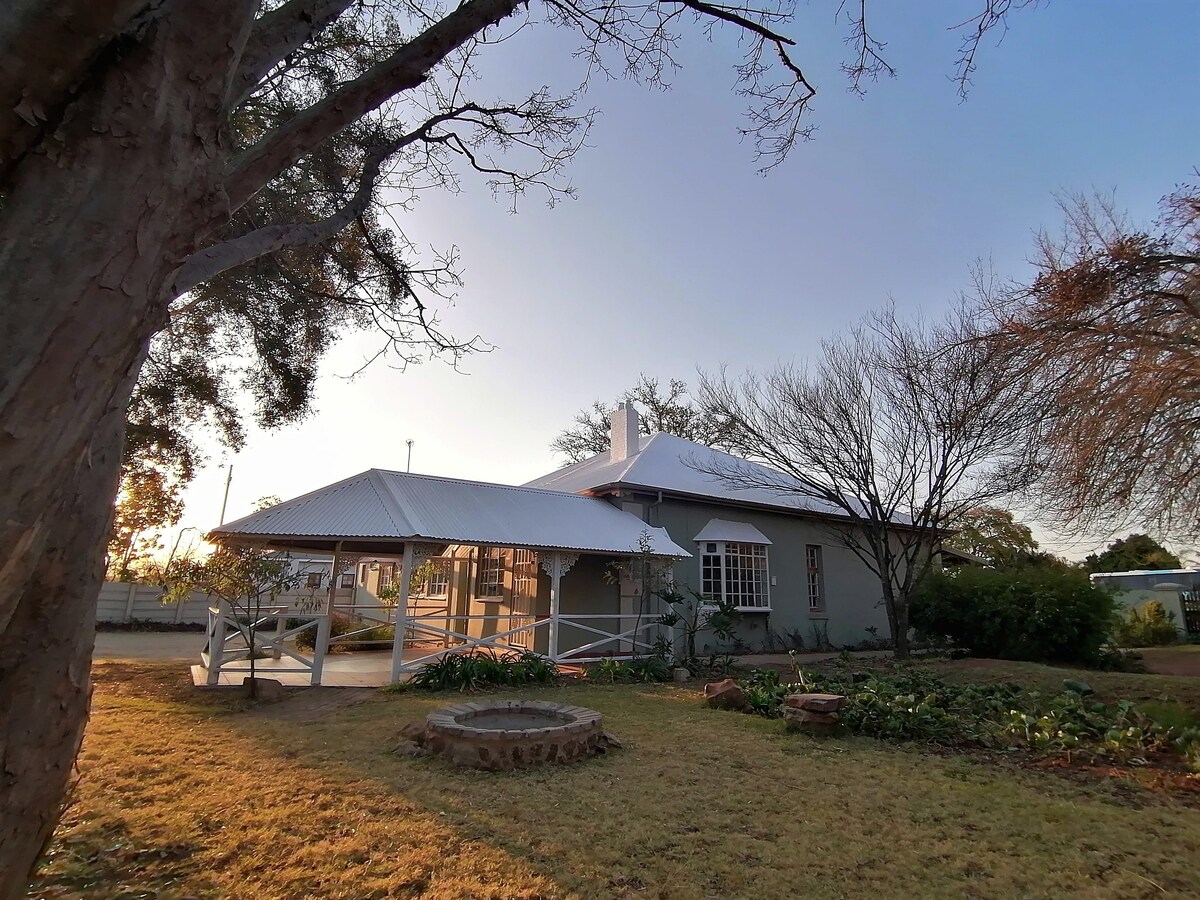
(665, 462)
(380, 504)
(737, 532)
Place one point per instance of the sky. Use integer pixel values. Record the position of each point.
(677, 256)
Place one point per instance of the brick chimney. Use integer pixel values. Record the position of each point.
(624, 434)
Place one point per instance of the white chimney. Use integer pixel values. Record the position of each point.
(624, 434)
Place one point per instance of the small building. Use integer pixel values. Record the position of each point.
(1178, 590)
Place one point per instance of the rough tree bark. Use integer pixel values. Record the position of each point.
(99, 216)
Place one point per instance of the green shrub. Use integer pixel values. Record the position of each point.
(1034, 613)
(481, 669)
(1149, 625)
(339, 626)
(646, 669)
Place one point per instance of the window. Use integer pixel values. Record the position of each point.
(347, 580)
(490, 582)
(312, 580)
(736, 573)
(816, 578)
(387, 574)
(437, 584)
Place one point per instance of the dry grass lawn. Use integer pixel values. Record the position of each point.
(184, 795)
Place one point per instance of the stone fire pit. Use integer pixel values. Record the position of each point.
(508, 734)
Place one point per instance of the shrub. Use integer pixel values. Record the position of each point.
(646, 669)
(341, 625)
(481, 669)
(1149, 625)
(1034, 613)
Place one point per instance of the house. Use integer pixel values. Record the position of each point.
(769, 552)
(566, 565)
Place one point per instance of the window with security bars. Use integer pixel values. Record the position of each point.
(490, 582)
(816, 578)
(736, 573)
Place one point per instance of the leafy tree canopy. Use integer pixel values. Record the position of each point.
(1138, 551)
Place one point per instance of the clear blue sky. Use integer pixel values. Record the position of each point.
(677, 255)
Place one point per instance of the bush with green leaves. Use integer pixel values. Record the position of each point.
(339, 626)
(1033, 613)
(644, 669)
(912, 704)
(1148, 625)
(481, 669)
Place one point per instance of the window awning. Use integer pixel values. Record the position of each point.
(735, 532)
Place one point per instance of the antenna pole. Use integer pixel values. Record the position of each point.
(228, 478)
(408, 467)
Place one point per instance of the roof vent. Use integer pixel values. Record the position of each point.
(624, 434)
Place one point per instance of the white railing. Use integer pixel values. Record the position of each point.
(634, 641)
(223, 655)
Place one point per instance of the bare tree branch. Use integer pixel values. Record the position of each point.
(404, 70)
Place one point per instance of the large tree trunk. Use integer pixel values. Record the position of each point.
(97, 219)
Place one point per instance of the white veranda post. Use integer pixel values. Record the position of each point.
(325, 624)
(556, 564)
(406, 574)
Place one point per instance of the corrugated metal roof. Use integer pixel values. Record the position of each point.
(397, 505)
(665, 462)
(724, 530)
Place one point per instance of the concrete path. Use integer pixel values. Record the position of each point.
(149, 645)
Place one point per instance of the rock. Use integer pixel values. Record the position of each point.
(414, 732)
(809, 722)
(409, 748)
(818, 703)
(725, 695)
(682, 675)
(609, 741)
(266, 690)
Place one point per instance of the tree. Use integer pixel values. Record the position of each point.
(148, 503)
(1110, 327)
(894, 432)
(993, 535)
(193, 203)
(672, 412)
(241, 577)
(1138, 551)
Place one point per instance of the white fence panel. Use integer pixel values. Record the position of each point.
(121, 601)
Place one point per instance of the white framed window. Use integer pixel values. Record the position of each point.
(816, 578)
(312, 580)
(490, 581)
(347, 580)
(736, 573)
(437, 583)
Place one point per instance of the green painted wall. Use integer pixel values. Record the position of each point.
(852, 591)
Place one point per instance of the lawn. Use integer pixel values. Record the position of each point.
(183, 794)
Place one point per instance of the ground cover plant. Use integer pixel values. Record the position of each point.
(911, 703)
(697, 805)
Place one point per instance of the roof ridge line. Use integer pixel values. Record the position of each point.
(492, 484)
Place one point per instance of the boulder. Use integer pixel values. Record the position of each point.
(682, 675)
(725, 695)
(818, 703)
(265, 690)
(809, 722)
